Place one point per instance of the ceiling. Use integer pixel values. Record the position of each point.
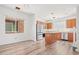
(48, 10)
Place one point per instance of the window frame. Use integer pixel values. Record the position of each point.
(16, 22)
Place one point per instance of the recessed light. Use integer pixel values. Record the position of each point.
(54, 17)
(52, 13)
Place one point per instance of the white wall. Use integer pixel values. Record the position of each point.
(29, 26)
(60, 25)
(77, 23)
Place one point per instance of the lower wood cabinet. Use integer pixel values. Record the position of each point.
(49, 38)
(52, 37)
(57, 36)
(70, 37)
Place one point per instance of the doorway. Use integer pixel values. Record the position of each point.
(39, 30)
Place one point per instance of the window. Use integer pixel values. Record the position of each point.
(12, 26)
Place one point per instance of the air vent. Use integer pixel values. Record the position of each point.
(18, 8)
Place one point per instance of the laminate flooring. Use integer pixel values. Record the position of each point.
(37, 48)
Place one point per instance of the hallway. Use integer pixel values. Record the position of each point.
(38, 48)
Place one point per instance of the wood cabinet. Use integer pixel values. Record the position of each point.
(71, 23)
(57, 36)
(49, 25)
(52, 37)
(49, 38)
(70, 37)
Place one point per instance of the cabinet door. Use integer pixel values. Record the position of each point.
(48, 38)
(70, 37)
(71, 23)
(57, 36)
(49, 25)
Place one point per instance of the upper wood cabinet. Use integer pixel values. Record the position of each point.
(71, 23)
(49, 25)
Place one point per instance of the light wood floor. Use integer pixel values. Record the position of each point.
(37, 48)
